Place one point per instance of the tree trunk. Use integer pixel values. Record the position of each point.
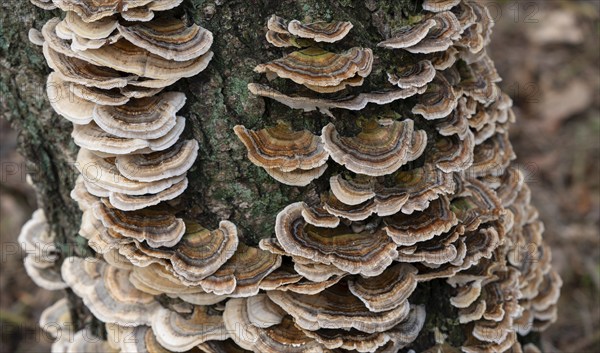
(223, 182)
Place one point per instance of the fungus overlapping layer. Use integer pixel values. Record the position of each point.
(428, 192)
(41, 255)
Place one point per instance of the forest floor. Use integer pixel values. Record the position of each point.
(548, 54)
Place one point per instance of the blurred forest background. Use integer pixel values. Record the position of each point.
(548, 53)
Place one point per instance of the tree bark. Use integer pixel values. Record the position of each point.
(223, 182)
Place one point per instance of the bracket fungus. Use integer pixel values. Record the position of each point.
(241, 275)
(361, 252)
(282, 33)
(337, 308)
(439, 5)
(94, 10)
(179, 334)
(169, 38)
(282, 148)
(328, 32)
(144, 118)
(37, 242)
(324, 105)
(377, 150)
(315, 67)
(282, 336)
(421, 189)
(416, 75)
(107, 292)
(44, 4)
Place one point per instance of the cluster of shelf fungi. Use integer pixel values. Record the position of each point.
(429, 196)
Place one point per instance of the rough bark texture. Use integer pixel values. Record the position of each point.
(223, 183)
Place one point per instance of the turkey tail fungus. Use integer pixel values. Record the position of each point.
(392, 201)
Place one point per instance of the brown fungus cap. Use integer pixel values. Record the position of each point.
(81, 195)
(156, 227)
(492, 156)
(362, 211)
(549, 292)
(226, 346)
(38, 243)
(451, 154)
(101, 173)
(284, 40)
(404, 191)
(100, 29)
(281, 147)
(126, 202)
(352, 190)
(98, 96)
(389, 341)
(439, 5)
(56, 318)
(337, 308)
(201, 252)
(241, 275)
(408, 230)
(107, 292)
(475, 346)
(44, 4)
(477, 204)
(144, 118)
(296, 177)
(262, 312)
(386, 291)
(83, 341)
(82, 72)
(444, 59)
(415, 75)
(438, 101)
(126, 57)
(140, 14)
(307, 287)
(320, 31)
(355, 102)
(441, 36)
(423, 185)
(366, 253)
(156, 279)
(35, 37)
(377, 150)
(436, 33)
(354, 81)
(91, 137)
(80, 44)
(464, 14)
(180, 333)
(36, 240)
(43, 274)
(172, 162)
(138, 339)
(282, 336)
(314, 271)
(408, 36)
(438, 251)
(317, 67)
(457, 123)
(93, 10)
(319, 217)
(169, 38)
(281, 277)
